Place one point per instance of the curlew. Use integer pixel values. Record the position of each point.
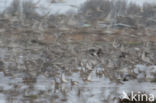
(74, 82)
(145, 58)
(116, 44)
(63, 79)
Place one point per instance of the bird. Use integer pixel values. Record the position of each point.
(63, 79)
(74, 82)
(99, 52)
(99, 73)
(88, 78)
(147, 45)
(145, 58)
(122, 48)
(88, 67)
(83, 70)
(92, 52)
(116, 44)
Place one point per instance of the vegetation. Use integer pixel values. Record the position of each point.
(95, 10)
(100, 44)
(26, 9)
(92, 11)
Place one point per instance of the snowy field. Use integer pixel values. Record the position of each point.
(62, 7)
(71, 87)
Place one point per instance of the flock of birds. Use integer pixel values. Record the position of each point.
(117, 63)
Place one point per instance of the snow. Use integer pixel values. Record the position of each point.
(96, 91)
(140, 2)
(102, 88)
(92, 92)
(43, 83)
(6, 83)
(2, 98)
(45, 6)
(136, 86)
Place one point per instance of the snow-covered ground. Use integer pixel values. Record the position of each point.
(99, 90)
(62, 7)
(96, 91)
(140, 2)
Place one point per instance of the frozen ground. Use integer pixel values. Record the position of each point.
(59, 7)
(29, 75)
(62, 7)
(32, 71)
(99, 90)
